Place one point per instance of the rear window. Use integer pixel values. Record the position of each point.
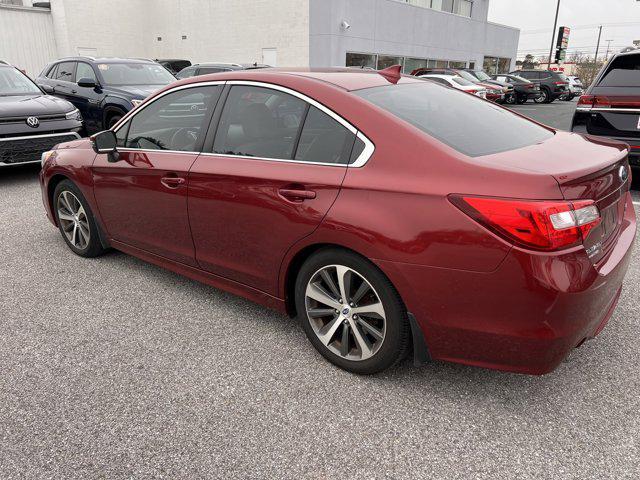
(623, 71)
(466, 123)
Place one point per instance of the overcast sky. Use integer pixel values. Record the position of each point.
(620, 20)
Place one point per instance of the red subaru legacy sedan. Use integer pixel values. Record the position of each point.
(382, 210)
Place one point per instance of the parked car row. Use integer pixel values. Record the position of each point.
(493, 90)
(610, 107)
(381, 210)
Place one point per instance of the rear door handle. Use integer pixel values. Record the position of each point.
(173, 182)
(297, 195)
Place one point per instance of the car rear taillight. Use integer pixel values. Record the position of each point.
(561, 83)
(586, 102)
(538, 225)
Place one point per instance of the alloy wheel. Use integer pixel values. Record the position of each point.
(73, 220)
(345, 312)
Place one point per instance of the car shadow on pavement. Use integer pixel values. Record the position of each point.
(19, 174)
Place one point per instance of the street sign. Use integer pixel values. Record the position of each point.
(562, 44)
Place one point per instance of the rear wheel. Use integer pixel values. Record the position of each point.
(544, 97)
(350, 312)
(75, 220)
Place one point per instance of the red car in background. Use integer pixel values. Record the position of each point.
(381, 210)
(495, 93)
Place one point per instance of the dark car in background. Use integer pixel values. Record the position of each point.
(103, 89)
(207, 68)
(174, 65)
(31, 122)
(552, 84)
(610, 107)
(523, 88)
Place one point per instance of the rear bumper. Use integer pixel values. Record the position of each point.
(524, 317)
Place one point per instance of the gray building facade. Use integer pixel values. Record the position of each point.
(434, 33)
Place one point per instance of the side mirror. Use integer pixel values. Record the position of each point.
(106, 142)
(48, 89)
(87, 83)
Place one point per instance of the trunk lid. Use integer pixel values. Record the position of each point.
(586, 168)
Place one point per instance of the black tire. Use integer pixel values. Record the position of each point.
(93, 247)
(522, 100)
(112, 120)
(544, 97)
(393, 348)
(511, 100)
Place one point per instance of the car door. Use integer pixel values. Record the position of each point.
(142, 198)
(87, 99)
(272, 171)
(64, 81)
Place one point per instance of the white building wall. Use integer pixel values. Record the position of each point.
(215, 30)
(26, 38)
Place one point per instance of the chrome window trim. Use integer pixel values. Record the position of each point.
(30, 137)
(151, 150)
(364, 157)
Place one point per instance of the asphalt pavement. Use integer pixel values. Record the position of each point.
(558, 114)
(113, 368)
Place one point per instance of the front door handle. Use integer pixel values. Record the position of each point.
(173, 182)
(297, 195)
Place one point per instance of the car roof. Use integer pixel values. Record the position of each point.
(106, 60)
(441, 75)
(344, 78)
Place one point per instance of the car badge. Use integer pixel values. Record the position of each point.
(623, 173)
(33, 122)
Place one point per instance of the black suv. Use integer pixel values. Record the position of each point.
(103, 89)
(30, 121)
(611, 105)
(552, 84)
(207, 68)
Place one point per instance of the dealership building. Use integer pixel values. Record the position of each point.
(316, 33)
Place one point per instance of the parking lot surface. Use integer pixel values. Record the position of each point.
(113, 368)
(558, 114)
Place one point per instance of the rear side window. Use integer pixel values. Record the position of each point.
(259, 122)
(624, 71)
(208, 70)
(174, 122)
(464, 122)
(324, 140)
(186, 73)
(65, 71)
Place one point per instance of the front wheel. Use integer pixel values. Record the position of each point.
(350, 312)
(75, 220)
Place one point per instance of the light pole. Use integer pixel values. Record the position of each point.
(606, 57)
(553, 33)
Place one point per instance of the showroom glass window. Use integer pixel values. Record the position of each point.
(364, 60)
(174, 122)
(386, 61)
(411, 64)
(84, 70)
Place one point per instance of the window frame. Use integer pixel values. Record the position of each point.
(125, 122)
(214, 121)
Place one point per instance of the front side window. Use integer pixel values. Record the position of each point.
(65, 71)
(118, 74)
(14, 82)
(259, 122)
(456, 118)
(173, 122)
(84, 70)
(186, 73)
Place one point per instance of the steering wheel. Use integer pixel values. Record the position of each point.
(183, 139)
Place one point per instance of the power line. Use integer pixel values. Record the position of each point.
(582, 27)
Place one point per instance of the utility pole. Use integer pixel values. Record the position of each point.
(598, 45)
(606, 57)
(553, 33)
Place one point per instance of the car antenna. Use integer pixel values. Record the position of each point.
(392, 74)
